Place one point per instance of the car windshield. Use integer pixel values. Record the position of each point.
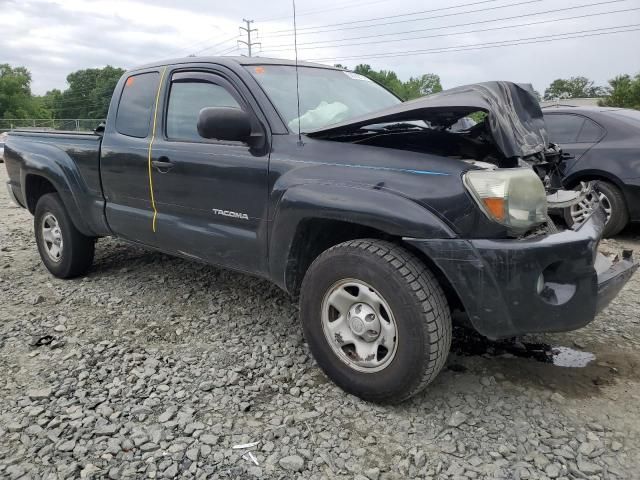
(326, 96)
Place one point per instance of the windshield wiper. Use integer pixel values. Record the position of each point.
(399, 126)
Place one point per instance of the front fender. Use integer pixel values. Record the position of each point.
(369, 207)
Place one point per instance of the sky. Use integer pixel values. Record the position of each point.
(463, 41)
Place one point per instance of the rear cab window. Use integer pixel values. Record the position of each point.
(136, 105)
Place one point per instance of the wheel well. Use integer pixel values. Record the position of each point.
(35, 187)
(588, 177)
(314, 236)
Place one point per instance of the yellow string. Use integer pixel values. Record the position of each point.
(153, 136)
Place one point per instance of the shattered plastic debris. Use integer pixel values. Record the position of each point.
(249, 456)
(245, 445)
(252, 457)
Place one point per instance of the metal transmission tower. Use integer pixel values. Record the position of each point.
(249, 31)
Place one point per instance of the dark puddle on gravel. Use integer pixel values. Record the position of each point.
(466, 343)
(570, 372)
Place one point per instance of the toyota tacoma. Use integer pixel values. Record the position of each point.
(376, 214)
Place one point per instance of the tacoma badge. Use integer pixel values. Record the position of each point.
(228, 213)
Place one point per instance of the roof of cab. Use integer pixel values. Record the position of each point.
(235, 61)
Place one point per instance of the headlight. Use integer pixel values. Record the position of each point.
(513, 197)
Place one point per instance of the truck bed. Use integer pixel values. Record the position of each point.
(67, 157)
(83, 148)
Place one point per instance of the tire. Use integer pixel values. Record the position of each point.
(418, 313)
(613, 199)
(53, 226)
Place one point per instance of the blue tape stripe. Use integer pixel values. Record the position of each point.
(369, 167)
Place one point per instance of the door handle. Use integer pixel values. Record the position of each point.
(163, 164)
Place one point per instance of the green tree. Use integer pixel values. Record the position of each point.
(624, 92)
(52, 100)
(384, 77)
(16, 100)
(574, 87)
(420, 86)
(413, 88)
(88, 95)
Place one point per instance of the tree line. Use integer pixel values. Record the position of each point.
(89, 91)
(622, 91)
(87, 95)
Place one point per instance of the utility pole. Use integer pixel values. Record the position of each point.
(248, 30)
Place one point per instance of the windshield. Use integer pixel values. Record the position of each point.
(326, 96)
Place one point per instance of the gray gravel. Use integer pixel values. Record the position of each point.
(154, 367)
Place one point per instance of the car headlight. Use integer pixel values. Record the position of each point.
(513, 197)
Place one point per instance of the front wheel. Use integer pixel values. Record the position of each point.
(376, 320)
(63, 249)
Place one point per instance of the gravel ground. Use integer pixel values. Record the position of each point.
(154, 367)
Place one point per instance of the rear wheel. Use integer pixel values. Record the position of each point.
(612, 201)
(63, 249)
(376, 319)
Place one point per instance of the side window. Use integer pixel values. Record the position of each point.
(136, 105)
(185, 102)
(563, 128)
(591, 132)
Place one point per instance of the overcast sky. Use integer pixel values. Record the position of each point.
(55, 37)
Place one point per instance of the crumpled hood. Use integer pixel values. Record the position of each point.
(515, 119)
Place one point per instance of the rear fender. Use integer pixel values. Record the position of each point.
(54, 165)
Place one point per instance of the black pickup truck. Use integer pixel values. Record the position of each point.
(377, 214)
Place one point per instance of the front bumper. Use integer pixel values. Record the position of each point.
(514, 287)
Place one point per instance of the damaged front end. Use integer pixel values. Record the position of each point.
(535, 278)
(513, 127)
(549, 166)
(511, 134)
(553, 283)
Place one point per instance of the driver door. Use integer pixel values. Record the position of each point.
(211, 196)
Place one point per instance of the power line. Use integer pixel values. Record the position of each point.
(447, 34)
(479, 46)
(525, 2)
(466, 24)
(200, 42)
(229, 50)
(386, 17)
(321, 10)
(217, 44)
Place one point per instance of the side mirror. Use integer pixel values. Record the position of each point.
(224, 123)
